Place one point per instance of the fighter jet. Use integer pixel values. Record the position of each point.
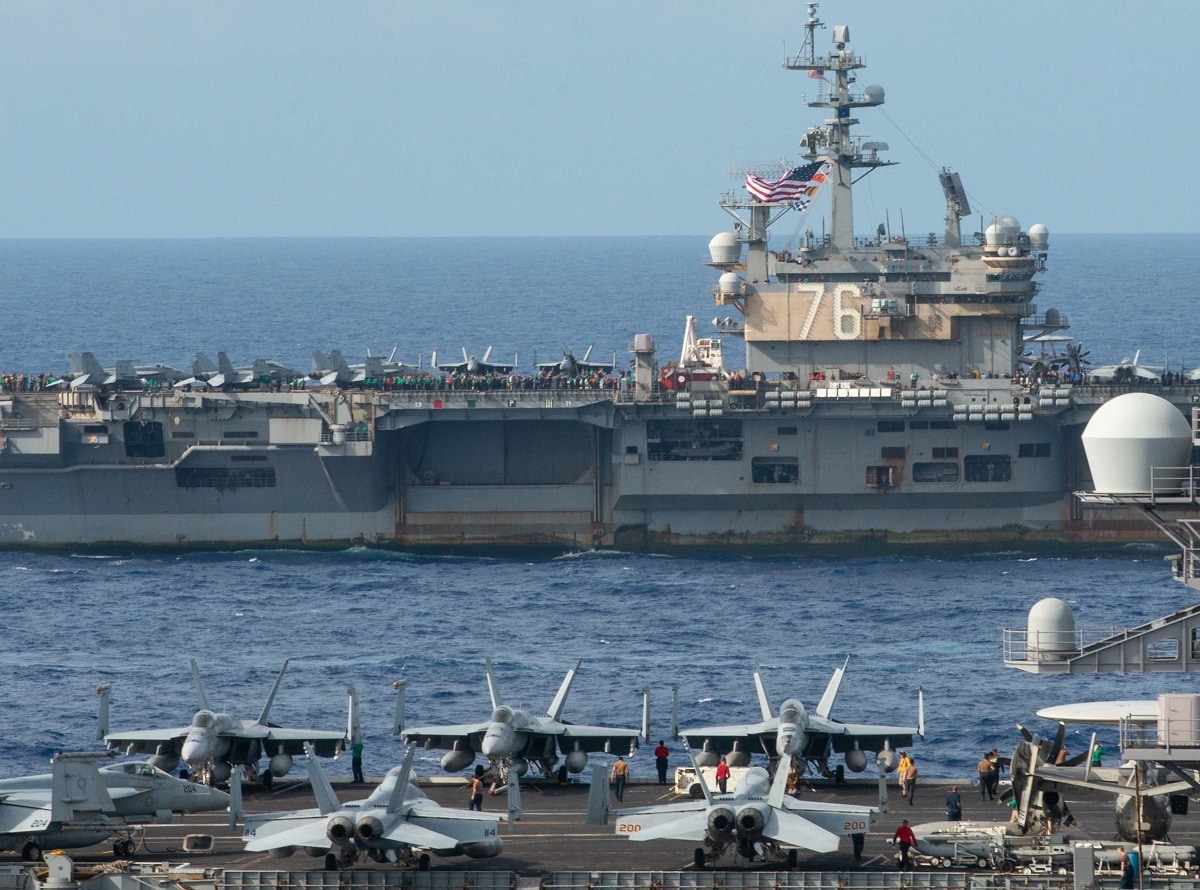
(1141, 809)
(214, 743)
(571, 366)
(757, 820)
(472, 365)
(396, 823)
(513, 737)
(77, 805)
(1127, 370)
(332, 369)
(804, 737)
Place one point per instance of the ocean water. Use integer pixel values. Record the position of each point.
(365, 618)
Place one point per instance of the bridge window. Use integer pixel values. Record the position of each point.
(893, 452)
(144, 439)
(1034, 449)
(948, 452)
(890, 426)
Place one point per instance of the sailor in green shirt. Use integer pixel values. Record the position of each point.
(356, 760)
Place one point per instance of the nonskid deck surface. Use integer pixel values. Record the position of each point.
(553, 836)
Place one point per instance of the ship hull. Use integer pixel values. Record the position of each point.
(511, 473)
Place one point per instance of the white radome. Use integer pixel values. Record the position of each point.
(725, 248)
(1051, 629)
(1130, 434)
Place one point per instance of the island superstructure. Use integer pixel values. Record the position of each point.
(886, 402)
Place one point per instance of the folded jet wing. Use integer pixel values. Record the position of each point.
(512, 738)
(808, 737)
(212, 744)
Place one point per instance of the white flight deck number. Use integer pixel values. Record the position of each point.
(628, 827)
(854, 826)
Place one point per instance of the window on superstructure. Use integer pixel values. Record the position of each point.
(945, 452)
(943, 425)
(893, 452)
(936, 471)
(775, 470)
(240, 434)
(1034, 449)
(890, 426)
(144, 439)
(881, 478)
(787, 430)
(995, 425)
(987, 468)
(183, 434)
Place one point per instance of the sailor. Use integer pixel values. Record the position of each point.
(954, 805)
(723, 775)
(661, 753)
(356, 750)
(987, 777)
(905, 838)
(476, 790)
(619, 776)
(910, 779)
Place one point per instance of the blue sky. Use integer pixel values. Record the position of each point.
(543, 117)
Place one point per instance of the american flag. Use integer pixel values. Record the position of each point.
(797, 186)
(816, 73)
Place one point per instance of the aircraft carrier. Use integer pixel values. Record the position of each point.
(894, 396)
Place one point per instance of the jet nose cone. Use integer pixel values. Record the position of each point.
(216, 798)
(495, 744)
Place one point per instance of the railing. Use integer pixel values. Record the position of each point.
(1172, 732)
(1021, 644)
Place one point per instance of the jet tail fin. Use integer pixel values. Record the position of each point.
(262, 718)
(493, 691)
(825, 705)
(353, 722)
(199, 687)
(396, 801)
(102, 712)
(597, 811)
(398, 720)
(779, 784)
(675, 711)
(327, 800)
(708, 797)
(764, 703)
(560, 698)
(235, 797)
(225, 366)
(78, 790)
(515, 810)
(921, 711)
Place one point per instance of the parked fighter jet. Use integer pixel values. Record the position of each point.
(807, 738)
(1127, 370)
(224, 375)
(512, 737)
(570, 366)
(86, 370)
(472, 365)
(757, 820)
(396, 823)
(332, 369)
(1141, 809)
(214, 743)
(77, 805)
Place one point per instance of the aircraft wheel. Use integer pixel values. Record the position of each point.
(331, 862)
(793, 858)
(945, 863)
(696, 792)
(31, 852)
(376, 855)
(981, 863)
(423, 862)
(1027, 870)
(698, 859)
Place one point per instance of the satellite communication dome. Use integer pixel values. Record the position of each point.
(731, 283)
(1039, 236)
(1003, 230)
(1130, 434)
(874, 94)
(1051, 630)
(724, 248)
(1052, 316)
